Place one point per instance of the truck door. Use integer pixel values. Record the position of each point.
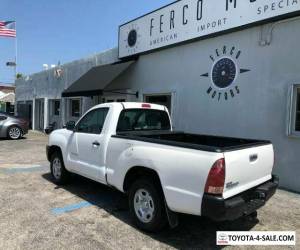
(89, 142)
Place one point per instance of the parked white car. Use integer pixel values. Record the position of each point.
(131, 147)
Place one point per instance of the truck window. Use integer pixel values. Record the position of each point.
(143, 119)
(92, 122)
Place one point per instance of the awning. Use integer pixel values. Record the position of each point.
(95, 80)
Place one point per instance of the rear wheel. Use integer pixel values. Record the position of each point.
(58, 171)
(147, 206)
(14, 133)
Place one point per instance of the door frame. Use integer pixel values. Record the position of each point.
(39, 114)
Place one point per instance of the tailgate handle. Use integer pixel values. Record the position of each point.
(253, 157)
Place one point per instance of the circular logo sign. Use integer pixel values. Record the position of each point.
(132, 38)
(224, 72)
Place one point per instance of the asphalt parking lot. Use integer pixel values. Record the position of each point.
(37, 214)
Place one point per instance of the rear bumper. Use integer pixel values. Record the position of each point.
(219, 209)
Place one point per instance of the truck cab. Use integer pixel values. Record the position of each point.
(86, 142)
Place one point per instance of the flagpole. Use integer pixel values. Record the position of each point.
(16, 53)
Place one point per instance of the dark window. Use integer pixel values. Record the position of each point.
(92, 122)
(143, 119)
(160, 99)
(56, 107)
(75, 108)
(297, 125)
(10, 108)
(121, 100)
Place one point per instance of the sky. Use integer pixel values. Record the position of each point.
(52, 31)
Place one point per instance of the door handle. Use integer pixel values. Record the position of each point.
(253, 157)
(96, 144)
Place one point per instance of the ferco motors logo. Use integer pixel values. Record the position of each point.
(224, 73)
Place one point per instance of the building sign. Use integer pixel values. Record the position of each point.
(223, 75)
(189, 19)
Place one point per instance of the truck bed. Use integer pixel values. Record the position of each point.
(209, 143)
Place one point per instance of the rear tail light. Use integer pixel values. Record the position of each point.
(216, 178)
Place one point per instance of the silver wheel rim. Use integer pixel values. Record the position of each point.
(14, 133)
(143, 205)
(56, 166)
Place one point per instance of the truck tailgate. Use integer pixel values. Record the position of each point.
(247, 168)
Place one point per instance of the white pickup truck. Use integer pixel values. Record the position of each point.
(131, 147)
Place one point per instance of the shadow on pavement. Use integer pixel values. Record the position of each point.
(192, 233)
(7, 139)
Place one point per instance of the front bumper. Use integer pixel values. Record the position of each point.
(219, 209)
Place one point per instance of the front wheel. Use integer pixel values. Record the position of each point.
(58, 171)
(147, 206)
(14, 133)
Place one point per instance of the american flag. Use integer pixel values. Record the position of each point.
(8, 28)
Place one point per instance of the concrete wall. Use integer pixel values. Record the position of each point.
(46, 85)
(270, 52)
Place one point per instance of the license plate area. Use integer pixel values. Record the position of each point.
(253, 205)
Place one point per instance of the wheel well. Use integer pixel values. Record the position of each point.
(138, 172)
(52, 150)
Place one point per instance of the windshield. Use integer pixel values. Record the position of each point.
(142, 120)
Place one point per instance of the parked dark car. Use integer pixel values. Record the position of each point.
(12, 127)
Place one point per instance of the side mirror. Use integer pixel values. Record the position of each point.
(70, 125)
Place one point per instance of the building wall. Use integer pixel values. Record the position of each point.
(271, 53)
(48, 86)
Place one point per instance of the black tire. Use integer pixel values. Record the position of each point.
(63, 176)
(14, 133)
(159, 219)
